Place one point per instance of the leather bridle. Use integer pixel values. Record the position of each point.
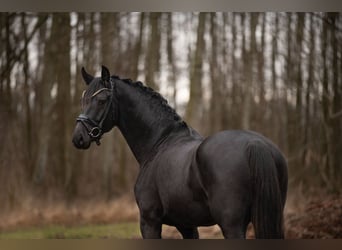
(96, 130)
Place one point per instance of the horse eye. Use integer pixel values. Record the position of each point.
(101, 101)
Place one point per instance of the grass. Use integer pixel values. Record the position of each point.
(115, 231)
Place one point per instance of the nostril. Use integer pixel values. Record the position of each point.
(80, 141)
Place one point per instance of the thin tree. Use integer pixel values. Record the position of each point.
(153, 50)
(334, 155)
(309, 85)
(171, 60)
(194, 108)
(63, 98)
(215, 105)
(45, 104)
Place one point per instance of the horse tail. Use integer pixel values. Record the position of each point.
(267, 202)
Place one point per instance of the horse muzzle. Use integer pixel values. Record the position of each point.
(81, 139)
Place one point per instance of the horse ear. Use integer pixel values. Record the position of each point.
(86, 77)
(105, 75)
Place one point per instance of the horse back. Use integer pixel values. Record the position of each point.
(223, 157)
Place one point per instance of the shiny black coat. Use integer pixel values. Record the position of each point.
(231, 178)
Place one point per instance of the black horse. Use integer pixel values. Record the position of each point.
(231, 178)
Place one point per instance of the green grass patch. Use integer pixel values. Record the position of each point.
(114, 231)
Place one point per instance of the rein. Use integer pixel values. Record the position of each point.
(96, 130)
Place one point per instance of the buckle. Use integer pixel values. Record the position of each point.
(95, 132)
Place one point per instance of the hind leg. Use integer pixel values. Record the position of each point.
(232, 230)
(233, 225)
(232, 214)
(188, 233)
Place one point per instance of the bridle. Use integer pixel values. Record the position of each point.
(96, 130)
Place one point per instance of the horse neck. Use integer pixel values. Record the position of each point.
(141, 121)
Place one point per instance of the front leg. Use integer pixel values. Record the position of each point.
(151, 213)
(150, 207)
(188, 232)
(150, 228)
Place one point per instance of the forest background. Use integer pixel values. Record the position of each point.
(277, 73)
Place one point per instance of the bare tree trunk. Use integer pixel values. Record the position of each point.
(276, 109)
(338, 110)
(289, 80)
(261, 68)
(310, 84)
(215, 105)
(170, 55)
(138, 48)
(335, 158)
(63, 100)
(45, 104)
(235, 90)
(90, 43)
(225, 71)
(249, 59)
(153, 51)
(8, 68)
(299, 81)
(194, 107)
(327, 147)
(274, 56)
(27, 92)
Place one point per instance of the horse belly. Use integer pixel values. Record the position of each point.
(187, 212)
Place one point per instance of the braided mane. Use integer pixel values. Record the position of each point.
(154, 95)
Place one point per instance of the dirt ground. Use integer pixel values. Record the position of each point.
(319, 217)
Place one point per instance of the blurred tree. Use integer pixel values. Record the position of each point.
(327, 144)
(309, 86)
(248, 64)
(298, 48)
(138, 48)
(45, 103)
(235, 89)
(331, 101)
(288, 93)
(9, 59)
(275, 35)
(276, 118)
(27, 91)
(215, 112)
(225, 70)
(63, 122)
(171, 60)
(260, 79)
(152, 63)
(90, 40)
(194, 108)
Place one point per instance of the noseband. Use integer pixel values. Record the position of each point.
(96, 130)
